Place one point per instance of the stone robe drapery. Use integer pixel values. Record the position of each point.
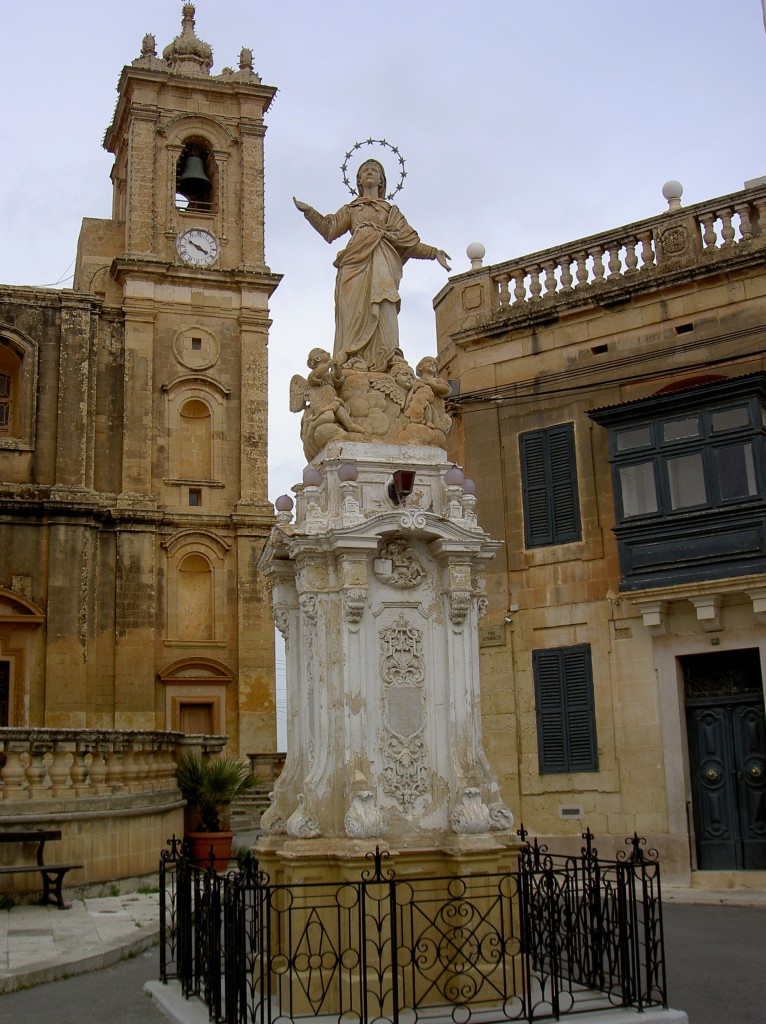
(369, 271)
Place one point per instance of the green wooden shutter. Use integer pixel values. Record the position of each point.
(549, 694)
(535, 485)
(566, 725)
(549, 486)
(580, 723)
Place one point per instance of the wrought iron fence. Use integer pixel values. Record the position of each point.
(560, 935)
(592, 928)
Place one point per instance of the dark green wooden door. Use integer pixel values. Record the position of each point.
(5, 692)
(727, 754)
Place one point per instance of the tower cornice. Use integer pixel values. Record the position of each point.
(154, 81)
(124, 267)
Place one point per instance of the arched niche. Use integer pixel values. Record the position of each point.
(201, 394)
(196, 588)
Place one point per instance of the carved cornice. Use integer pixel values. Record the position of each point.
(707, 597)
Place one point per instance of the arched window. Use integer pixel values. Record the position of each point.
(195, 444)
(10, 390)
(5, 692)
(196, 427)
(196, 178)
(195, 598)
(18, 390)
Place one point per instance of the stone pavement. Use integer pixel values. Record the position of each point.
(39, 944)
(714, 897)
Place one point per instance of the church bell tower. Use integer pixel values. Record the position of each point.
(181, 429)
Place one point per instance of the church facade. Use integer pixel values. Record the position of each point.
(610, 402)
(133, 430)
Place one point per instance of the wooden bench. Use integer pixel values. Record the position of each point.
(52, 874)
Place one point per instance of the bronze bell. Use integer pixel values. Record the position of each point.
(193, 182)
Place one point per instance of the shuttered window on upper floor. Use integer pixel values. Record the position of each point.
(549, 486)
(566, 724)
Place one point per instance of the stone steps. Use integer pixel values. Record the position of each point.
(246, 812)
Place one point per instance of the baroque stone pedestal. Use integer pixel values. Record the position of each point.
(379, 605)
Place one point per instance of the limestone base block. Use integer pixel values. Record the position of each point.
(442, 918)
(302, 861)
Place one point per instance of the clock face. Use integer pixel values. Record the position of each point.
(197, 247)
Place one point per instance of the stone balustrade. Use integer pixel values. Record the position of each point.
(267, 767)
(595, 268)
(112, 793)
(65, 764)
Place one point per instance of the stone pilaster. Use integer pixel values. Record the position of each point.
(138, 427)
(72, 577)
(252, 201)
(253, 437)
(135, 699)
(75, 414)
(139, 216)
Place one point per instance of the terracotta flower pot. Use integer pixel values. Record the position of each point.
(199, 848)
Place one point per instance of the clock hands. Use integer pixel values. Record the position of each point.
(197, 253)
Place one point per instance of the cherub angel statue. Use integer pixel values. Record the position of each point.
(325, 414)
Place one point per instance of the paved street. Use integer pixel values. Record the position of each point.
(716, 958)
(717, 962)
(111, 996)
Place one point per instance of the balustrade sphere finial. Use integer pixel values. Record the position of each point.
(475, 253)
(673, 190)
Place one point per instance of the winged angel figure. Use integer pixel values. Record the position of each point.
(324, 413)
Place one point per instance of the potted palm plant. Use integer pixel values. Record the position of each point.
(209, 785)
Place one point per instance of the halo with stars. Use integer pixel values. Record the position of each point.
(374, 142)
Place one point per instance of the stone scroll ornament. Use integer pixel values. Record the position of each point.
(354, 603)
(472, 815)
(272, 822)
(363, 820)
(300, 824)
(405, 772)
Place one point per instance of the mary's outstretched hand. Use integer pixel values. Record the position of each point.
(301, 206)
(442, 257)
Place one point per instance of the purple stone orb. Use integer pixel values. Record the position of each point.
(454, 477)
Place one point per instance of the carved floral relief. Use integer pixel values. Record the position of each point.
(405, 772)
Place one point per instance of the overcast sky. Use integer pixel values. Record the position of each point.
(524, 124)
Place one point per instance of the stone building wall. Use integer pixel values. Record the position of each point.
(133, 474)
(675, 301)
